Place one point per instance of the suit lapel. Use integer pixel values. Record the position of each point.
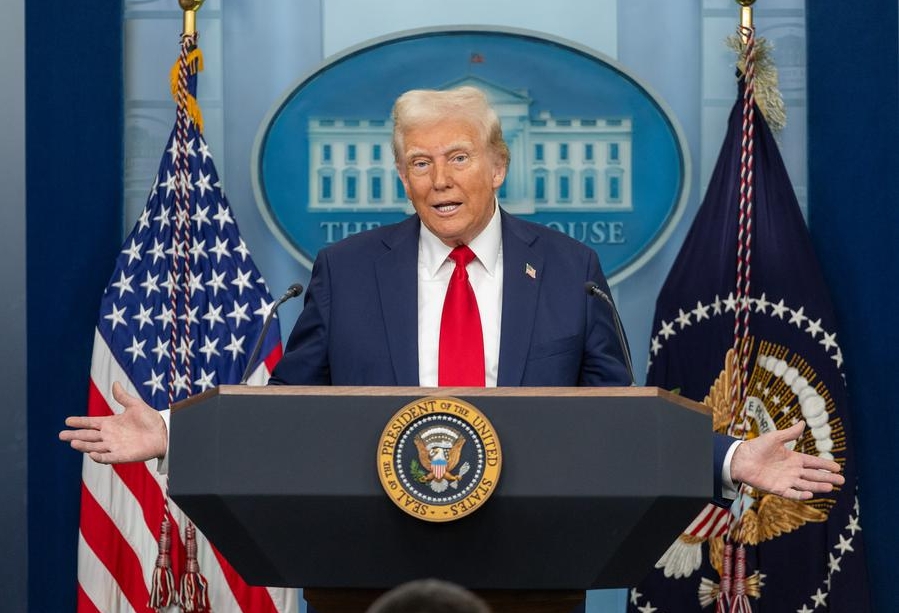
(397, 273)
(521, 256)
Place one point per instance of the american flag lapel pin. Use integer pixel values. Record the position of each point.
(530, 271)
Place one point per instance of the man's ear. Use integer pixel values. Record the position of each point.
(499, 174)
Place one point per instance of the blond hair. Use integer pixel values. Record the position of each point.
(421, 107)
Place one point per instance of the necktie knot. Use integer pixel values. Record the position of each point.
(462, 255)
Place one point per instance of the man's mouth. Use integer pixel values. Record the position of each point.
(446, 207)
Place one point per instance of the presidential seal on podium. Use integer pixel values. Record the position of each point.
(439, 459)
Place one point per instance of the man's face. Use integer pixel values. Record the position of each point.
(450, 176)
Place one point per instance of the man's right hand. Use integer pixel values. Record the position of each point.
(137, 434)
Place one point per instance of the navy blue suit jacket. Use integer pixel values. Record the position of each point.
(360, 321)
(359, 325)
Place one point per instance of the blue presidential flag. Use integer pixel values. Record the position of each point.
(746, 290)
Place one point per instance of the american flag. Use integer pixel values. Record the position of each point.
(180, 315)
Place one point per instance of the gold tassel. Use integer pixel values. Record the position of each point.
(191, 106)
(767, 95)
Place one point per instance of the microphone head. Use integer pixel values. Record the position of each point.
(591, 287)
(294, 290)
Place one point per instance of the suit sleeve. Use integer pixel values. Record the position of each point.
(306, 356)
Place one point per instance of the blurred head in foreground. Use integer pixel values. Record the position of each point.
(429, 596)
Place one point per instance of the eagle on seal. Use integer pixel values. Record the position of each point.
(439, 458)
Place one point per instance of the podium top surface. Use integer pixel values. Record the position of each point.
(472, 392)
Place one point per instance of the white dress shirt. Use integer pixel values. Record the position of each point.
(485, 273)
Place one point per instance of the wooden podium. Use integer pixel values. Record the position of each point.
(596, 483)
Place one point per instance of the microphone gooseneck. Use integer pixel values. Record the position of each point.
(292, 292)
(592, 288)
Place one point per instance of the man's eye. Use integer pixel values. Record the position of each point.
(460, 158)
(419, 166)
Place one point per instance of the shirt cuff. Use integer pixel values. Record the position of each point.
(162, 464)
(728, 487)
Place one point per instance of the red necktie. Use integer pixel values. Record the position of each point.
(461, 337)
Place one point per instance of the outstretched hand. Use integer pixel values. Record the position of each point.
(766, 464)
(136, 434)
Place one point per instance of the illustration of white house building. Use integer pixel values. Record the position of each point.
(557, 163)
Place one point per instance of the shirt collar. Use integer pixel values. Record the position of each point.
(432, 252)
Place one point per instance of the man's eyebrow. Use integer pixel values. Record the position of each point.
(458, 146)
(451, 148)
(412, 153)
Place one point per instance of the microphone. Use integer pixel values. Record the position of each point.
(292, 292)
(593, 289)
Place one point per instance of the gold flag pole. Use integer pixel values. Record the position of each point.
(767, 95)
(745, 17)
(190, 8)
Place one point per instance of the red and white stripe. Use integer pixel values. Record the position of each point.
(712, 521)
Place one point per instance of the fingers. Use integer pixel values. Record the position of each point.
(102, 458)
(810, 482)
(99, 451)
(822, 464)
(823, 476)
(794, 494)
(801, 489)
(816, 487)
(88, 436)
(90, 447)
(792, 433)
(82, 421)
(120, 395)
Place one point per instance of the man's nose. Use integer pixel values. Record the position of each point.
(443, 178)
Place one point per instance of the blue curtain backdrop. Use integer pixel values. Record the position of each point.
(74, 187)
(74, 230)
(853, 81)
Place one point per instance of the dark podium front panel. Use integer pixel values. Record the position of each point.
(595, 484)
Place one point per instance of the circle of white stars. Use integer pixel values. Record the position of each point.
(695, 315)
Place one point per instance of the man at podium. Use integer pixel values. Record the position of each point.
(460, 294)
